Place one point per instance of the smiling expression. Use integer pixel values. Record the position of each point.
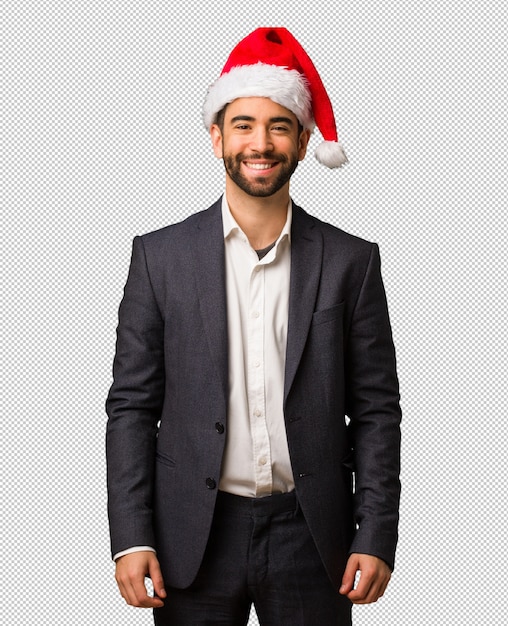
(260, 144)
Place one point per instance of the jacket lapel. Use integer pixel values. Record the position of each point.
(209, 271)
(306, 255)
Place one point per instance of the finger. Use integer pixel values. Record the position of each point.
(124, 587)
(131, 584)
(123, 591)
(372, 590)
(138, 596)
(376, 592)
(157, 580)
(348, 579)
(363, 588)
(385, 584)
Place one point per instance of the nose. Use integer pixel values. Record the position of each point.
(261, 140)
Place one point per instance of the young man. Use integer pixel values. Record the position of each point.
(247, 334)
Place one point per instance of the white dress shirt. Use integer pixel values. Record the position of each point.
(256, 459)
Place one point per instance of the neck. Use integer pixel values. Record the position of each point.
(261, 219)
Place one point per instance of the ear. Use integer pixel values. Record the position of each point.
(303, 142)
(216, 137)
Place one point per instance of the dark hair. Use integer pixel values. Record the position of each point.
(220, 119)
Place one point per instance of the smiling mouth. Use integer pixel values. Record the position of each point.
(259, 166)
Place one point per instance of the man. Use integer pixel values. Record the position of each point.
(247, 334)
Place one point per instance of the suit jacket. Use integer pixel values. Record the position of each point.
(170, 393)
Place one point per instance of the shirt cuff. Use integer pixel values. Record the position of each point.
(132, 550)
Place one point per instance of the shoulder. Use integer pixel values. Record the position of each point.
(334, 238)
(182, 231)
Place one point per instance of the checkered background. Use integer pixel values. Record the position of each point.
(104, 140)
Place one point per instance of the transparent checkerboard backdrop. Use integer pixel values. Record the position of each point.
(104, 141)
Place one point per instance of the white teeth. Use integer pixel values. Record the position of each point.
(259, 166)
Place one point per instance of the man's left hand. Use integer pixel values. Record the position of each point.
(374, 578)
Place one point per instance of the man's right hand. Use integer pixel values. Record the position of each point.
(131, 570)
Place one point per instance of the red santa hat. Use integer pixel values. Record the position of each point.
(271, 63)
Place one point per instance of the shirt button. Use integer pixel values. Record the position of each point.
(210, 483)
(257, 413)
(257, 363)
(219, 427)
(255, 314)
(262, 460)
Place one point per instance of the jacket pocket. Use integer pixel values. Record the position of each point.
(328, 315)
(165, 460)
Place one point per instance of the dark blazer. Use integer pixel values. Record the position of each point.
(168, 401)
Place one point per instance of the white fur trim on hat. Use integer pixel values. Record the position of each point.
(331, 154)
(286, 87)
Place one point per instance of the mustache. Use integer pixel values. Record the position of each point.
(282, 158)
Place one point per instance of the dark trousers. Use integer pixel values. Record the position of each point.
(260, 551)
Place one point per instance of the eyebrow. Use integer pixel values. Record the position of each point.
(273, 120)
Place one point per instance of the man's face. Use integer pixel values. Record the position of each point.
(260, 144)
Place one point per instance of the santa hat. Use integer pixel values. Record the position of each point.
(271, 63)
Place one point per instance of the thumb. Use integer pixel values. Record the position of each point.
(154, 571)
(348, 579)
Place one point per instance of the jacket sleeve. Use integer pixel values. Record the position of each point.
(134, 406)
(372, 404)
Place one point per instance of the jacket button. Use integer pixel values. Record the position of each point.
(210, 483)
(219, 427)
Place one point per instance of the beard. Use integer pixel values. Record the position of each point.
(261, 187)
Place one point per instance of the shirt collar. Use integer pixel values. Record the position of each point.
(230, 225)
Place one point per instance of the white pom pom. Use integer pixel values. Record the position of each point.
(331, 154)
